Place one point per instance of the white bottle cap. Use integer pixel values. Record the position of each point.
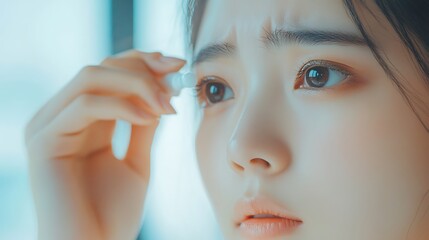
(178, 81)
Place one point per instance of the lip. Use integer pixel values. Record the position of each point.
(282, 223)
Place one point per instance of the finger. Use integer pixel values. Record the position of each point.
(165, 64)
(87, 109)
(143, 63)
(139, 149)
(58, 147)
(156, 61)
(135, 65)
(102, 80)
(61, 99)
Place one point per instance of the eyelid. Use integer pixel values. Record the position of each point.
(202, 81)
(324, 63)
(208, 78)
(344, 69)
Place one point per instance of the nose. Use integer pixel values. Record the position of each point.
(257, 147)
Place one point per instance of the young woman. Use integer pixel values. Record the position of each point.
(314, 125)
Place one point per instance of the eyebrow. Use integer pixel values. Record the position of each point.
(280, 37)
(214, 51)
(312, 37)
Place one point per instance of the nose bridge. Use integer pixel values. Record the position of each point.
(256, 145)
(265, 105)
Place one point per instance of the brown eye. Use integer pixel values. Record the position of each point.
(215, 92)
(211, 90)
(317, 76)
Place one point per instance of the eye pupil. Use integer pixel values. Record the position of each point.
(317, 76)
(215, 92)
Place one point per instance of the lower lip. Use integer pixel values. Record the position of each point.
(268, 227)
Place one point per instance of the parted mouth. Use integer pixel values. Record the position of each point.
(261, 217)
(267, 216)
(261, 208)
(264, 216)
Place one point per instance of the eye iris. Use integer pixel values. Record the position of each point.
(215, 92)
(317, 76)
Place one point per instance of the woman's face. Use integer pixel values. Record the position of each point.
(296, 110)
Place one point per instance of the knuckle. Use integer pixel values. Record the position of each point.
(89, 71)
(86, 76)
(128, 53)
(109, 61)
(155, 54)
(134, 52)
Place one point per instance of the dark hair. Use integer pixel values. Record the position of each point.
(409, 19)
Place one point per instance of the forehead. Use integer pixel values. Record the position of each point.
(245, 21)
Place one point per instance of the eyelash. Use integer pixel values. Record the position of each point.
(341, 68)
(198, 90)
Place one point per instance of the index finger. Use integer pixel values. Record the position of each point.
(155, 61)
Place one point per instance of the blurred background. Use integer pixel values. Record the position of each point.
(43, 44)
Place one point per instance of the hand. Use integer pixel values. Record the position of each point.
(81, 191)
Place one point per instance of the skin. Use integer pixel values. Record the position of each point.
(81, 191)
(351, 161)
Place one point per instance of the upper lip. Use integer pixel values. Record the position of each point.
(248, 207)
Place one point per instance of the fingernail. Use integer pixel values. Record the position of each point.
(165, 102)
(171, 60)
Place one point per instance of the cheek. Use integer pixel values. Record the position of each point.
(367, 164)
(212, 141)
(218, 177)
(209, 153)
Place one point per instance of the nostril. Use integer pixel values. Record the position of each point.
(261, 162)
(253, 163)
(237, 166)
